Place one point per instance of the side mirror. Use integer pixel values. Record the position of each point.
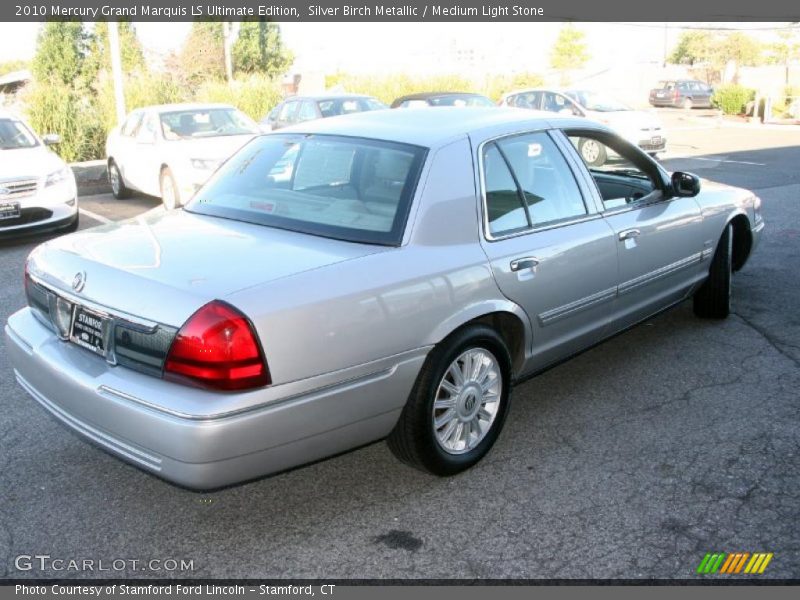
(685, 185)
(51, 139)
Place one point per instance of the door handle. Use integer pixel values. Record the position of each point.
(629, 234)
(528, 262)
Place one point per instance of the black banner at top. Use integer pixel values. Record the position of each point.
(403, 10)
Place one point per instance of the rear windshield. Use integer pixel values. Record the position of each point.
(353, 189)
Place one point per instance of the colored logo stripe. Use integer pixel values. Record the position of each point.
(733, 563)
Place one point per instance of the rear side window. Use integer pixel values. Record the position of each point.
(354, 189)
(131, 126)
(545, 188)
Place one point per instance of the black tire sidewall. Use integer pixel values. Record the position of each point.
(478, 336)
(167, 179)
(121, 192)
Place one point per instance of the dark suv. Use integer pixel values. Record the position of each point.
(682, 93)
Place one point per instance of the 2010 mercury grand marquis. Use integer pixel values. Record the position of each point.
(382, 274)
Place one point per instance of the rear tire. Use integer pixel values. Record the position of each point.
(170, 195)
(447, 426)
(117, 183)
(713, 299)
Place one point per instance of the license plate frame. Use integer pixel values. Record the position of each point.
(656, 140)
(90, 330)
(10, 210)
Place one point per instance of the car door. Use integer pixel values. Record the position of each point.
(549, 250)
(659, 238)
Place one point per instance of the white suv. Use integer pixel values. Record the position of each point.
(37, 188)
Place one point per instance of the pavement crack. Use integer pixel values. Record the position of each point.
(769, 338)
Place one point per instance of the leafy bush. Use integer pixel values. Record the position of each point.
(732, 98)
(54, 107)
(388, 87)
(255, 95)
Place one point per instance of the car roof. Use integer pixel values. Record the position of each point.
(428, 95)
(7, 114)
(429, 128)
(332, 96)
(162, 108)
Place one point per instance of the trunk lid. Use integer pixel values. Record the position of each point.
(162, 267)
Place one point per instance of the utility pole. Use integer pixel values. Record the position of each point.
(116, 69)
(227, 43)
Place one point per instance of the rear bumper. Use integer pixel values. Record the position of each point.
(204, 452)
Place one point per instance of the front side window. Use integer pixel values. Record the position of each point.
(287, 111)
(353, 189)
(14, 134)
(131, 126)
(546, 190)
(212, 122)
(613, 165)
(307, 111)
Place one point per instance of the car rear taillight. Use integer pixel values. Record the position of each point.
(217, 348)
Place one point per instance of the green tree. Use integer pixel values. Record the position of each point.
(203, 55)
(60, 52)
(569, 51)
(99, 50)
(785, 51)
(259, 49)
(693, 47)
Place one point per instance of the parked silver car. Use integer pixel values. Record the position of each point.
(406, 272)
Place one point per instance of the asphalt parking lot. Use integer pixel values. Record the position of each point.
(632, 460)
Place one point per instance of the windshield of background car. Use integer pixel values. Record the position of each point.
(348, 188)
(460, 101)
(192, 124)
(344, 106)
(597, 102)
(14, 134)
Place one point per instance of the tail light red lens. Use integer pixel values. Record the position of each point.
(217, 348)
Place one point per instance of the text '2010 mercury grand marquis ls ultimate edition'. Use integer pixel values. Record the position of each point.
(386, 274)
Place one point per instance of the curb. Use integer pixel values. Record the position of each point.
(91, 177)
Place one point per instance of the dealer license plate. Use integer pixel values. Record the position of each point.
(9, 210)
(89, 330)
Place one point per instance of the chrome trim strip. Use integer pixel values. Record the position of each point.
(130, 452)
(637, 282)
(551, 316)
(144, 325)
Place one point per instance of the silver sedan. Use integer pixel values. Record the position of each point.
(382, 275)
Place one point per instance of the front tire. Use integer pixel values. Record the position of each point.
(458, 405)
(117, 183)
(713, 299)
(170, 195)
(687, 104)
(592, 152)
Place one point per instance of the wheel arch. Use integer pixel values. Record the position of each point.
(506, 318)
(742, 240)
